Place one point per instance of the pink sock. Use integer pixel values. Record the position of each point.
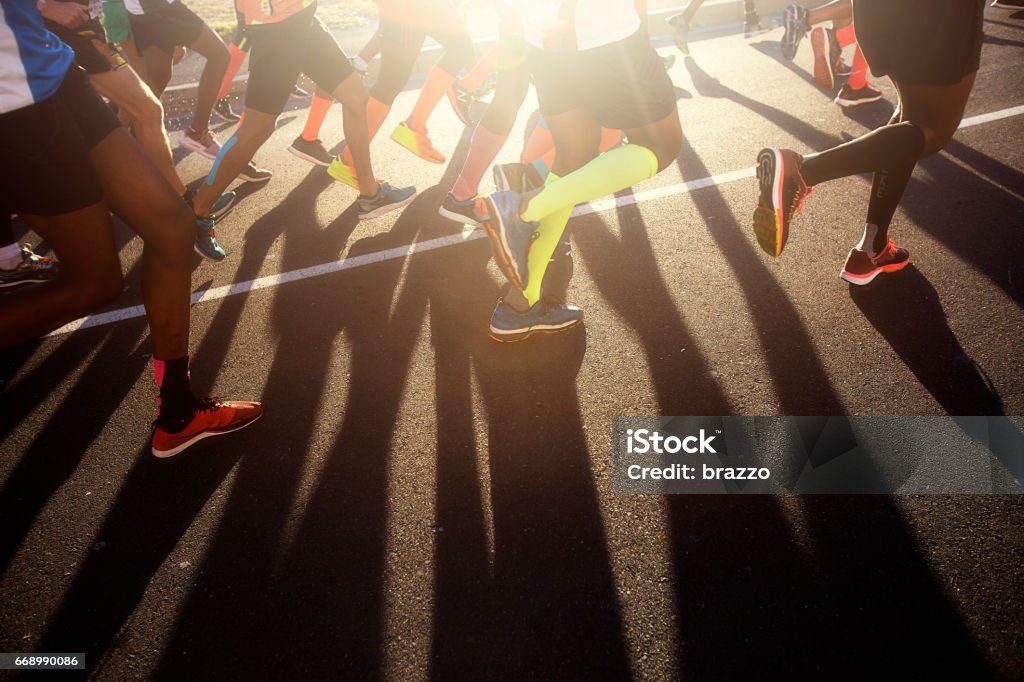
(158, 376)
(483, 149)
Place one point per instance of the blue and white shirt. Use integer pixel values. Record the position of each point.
(33, 61)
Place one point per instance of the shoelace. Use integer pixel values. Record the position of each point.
(889, 250)
(206, 139)
(200, 405)
(801, 194)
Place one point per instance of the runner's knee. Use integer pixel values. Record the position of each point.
(666, 149)
(95, 287)
(169, 237)
(936, 138)
(146, 111)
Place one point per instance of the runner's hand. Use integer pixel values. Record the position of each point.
(67, 14)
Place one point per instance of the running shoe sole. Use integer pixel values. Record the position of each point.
(197, 147)
(249, 178)
(861, 280)
(769, 222)
(495, 229)
(26, 280)
(822, 68)
(164, 454)
(307, 157)
(512, 337)
(457, 217)
(847, 103)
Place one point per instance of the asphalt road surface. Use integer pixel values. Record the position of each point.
(419, 501)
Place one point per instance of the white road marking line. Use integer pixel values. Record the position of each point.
(351, 262)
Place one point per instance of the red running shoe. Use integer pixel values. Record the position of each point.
(783, 191)
(212, 418)
(861, 268)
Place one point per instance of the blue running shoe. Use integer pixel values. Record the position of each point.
(510, 235)
(387, 199)
(225, 202)
(206, 240)
(509, 325)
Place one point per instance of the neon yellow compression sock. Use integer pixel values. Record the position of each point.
(549, 234)
(606, 174)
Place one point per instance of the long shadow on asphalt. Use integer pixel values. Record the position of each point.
(57, 450)
(968, 208)
(906, 310)
(318, 586)
(541, 603)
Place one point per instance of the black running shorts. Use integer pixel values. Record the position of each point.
(89, 42)
(45, 150)
(281, 51)
(920, 42)
(170, 26)
(623, 85)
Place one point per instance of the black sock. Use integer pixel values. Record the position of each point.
(890, 148)
(176, 400)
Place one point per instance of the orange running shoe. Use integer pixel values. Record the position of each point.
(212, 418)
(416, 142)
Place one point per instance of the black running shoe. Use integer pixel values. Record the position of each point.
(253, 174)
(850, 97)
(462, 212)
(783, 191)
(861, 269)
(311, 150)
(1008, 4)
(797, 26)
(222, 108)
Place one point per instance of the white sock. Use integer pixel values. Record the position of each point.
(867, 242)
(10, 256)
